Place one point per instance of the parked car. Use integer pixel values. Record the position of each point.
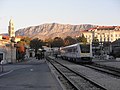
(3, 62)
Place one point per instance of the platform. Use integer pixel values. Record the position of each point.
(28, 76)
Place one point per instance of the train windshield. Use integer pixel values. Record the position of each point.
(85, 48)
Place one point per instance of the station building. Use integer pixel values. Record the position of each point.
(103, 33)
(106, 35)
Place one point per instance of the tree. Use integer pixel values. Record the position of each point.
(95, 39)
(95, 42)
(69, 41)
(26, 40)
(36, 44)
(81, 39)
(20, 50)
(48, 42)
(21, 45)
(57, 42)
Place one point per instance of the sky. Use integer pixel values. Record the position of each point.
(27, 13)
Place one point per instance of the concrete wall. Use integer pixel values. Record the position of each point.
(9, 54)
(0, 37)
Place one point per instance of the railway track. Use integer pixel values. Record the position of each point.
(75, 79)
(115, 72)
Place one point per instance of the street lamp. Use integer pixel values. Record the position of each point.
(101, 46)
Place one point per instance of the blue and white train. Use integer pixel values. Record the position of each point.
(77, 52)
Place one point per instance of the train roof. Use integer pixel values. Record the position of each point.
(72, 45)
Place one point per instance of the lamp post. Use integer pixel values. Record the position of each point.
(101, 46)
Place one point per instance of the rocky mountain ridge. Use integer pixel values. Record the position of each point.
(52, 30)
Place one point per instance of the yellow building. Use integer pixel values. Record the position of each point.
(106, 33)
(88, 35)
(103, 33)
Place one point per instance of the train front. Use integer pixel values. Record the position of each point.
(86, 52)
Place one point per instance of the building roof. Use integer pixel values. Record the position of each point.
(6, 37)
(19, 37)
(84, 31)
(106, 27)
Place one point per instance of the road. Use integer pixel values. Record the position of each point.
(28, 76)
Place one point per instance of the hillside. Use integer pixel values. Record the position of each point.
(52, 30)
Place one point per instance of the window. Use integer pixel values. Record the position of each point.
(74, 49)
(12, 28)
(85, 48)
(69, 50)
(12, 32)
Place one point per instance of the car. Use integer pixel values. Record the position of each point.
(3, 62)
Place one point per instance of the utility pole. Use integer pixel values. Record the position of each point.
(11, 52)
(12, 41)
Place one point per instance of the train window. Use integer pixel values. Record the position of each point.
(74, 49)
(85, 48)
(69, 50)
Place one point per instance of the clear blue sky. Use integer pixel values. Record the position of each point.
(35, 12)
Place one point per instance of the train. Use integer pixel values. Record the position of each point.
(80, 53)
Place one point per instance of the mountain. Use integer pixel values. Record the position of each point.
(4, 34)
(52, 30)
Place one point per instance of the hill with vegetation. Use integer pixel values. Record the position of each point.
(52, 30)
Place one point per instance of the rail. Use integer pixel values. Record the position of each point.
(105, 69)
(76, 74)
